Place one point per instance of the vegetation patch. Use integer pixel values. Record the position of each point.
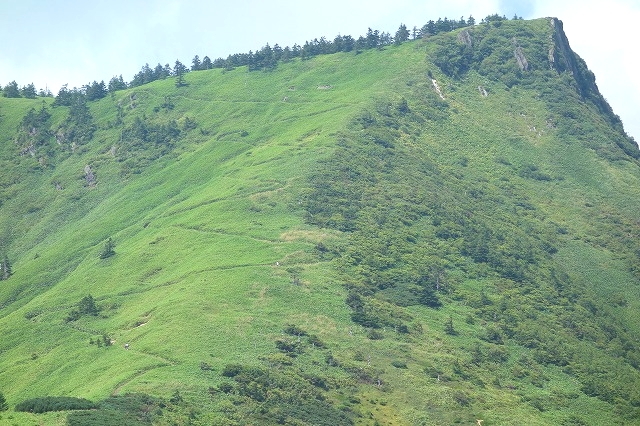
(54, 403)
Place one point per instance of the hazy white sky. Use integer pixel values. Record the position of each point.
(53, 42)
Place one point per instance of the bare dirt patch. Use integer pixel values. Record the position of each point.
(307, 235)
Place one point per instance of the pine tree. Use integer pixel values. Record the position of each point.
(11, 90)
(428, 29)
(179, 70)
(117, 83)
(196, 64)
(402, 34)
(108, 249)
(448, 327)
(64, 96)
(29, 91)
(372, 39)
(87, 306)
(95, 90)
(206, 63)
(428, 297)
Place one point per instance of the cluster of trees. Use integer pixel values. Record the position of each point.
(265, 58)
(33, 131)
(281, 395)
(101, 341)
(78, 127)
(134, 409)
(268, 57)
(159, 72)
(12, 90)
(92, 91)
(418, 228)
(144, 141)
(86, 306)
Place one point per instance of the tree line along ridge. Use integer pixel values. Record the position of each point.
(266, 58)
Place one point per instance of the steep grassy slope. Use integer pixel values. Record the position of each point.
(478, 218)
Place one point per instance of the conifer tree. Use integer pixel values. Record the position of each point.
(179, 70)
(402, 34)
(448, 327)
(428, 297)
(87, 306)
(196, 64)
(108, 249)
(29, 91)
(11, 90)
(206, 63)
(117, 83)
(95, 90)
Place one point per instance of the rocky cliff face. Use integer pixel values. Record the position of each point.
(535, 55)
(563, 59)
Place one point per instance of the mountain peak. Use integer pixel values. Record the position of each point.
(441, 230)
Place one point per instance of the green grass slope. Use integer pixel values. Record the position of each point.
(426, 234)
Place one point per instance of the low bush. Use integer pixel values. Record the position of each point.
(54, 403)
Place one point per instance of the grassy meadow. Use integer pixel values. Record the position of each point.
(283, 194)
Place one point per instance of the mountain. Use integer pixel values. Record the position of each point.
(442, 231)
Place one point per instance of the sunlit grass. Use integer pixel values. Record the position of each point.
(214, 256)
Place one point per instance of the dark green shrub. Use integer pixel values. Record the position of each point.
(54, 403)
(315, 341)
(291, 348)
(130, 409)
(205, 366)
(108, 249)
(399, 364)
(103, 418)
(448, 327)
(87, 306)
(294, 330)
(3, 403)
(225, 387)
(462, 398)
(176, 398)
(232, 370)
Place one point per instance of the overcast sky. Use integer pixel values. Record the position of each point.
(53, 42)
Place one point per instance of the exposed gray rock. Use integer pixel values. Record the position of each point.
(523, 64)
(89, 176)
(465, 38)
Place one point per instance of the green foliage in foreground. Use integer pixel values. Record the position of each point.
(129, 409)
(54, 403)
(300, 245)
(418, 228)
(281, 396)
